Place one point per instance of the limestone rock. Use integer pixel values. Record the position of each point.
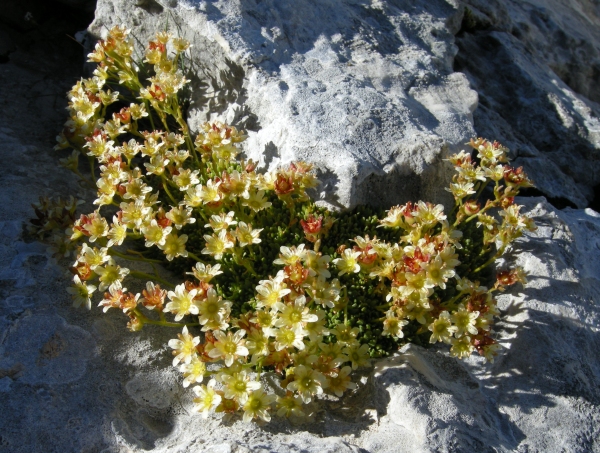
(364, 90)
(535, 66)
(78, 381)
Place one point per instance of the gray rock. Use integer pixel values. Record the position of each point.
(535, 66)
(365, 91)
(77, 381)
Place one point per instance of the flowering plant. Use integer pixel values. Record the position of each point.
(272, 282)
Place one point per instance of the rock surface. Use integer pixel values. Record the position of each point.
(364, 90)
(73, 381)
(373, 94)
(535, 65)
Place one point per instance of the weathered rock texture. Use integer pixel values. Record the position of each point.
(373, 94)
(536, 67)
(365, 90)
(73, 381)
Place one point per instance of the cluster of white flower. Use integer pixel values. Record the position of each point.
(155, 185)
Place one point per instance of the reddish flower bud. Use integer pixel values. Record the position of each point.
(471, 207)
(312, 225)
(284, 184)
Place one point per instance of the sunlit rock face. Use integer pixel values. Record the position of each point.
(364, 90)
(374, 94)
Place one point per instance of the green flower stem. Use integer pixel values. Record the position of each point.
(194, 257)
(259, 368)
(144, 320)
(243, 262)
(483, 185)
(145, 276)
(146, 104)
(317, 245)
(345, 296)
(168, 192)
(92, 170)
(454, 299)
(490, 261)
(131, 258)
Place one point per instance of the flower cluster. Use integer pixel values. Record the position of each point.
(419, 271)
(267, 291)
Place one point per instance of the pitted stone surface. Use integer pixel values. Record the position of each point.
(77, 381)
(365, 90)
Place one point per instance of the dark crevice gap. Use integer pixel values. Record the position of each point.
(557, 202)
(595, 203)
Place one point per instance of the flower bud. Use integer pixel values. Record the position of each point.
(471, 207)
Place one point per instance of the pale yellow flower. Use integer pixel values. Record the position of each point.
(287, 337)
(271, 291)
(207, 398)
(135, 189)
(111, 275)
(464, 321)
(246, 235)
(238, 386)
(155, 234)
(213, 311)
(228, 347)
(184, 347)
(442, 328)
(81, 293)
(135, 213)
(193, 372)
(98, 227)
(437, 273)
(341, 382)
(182, 302)
(221, 221)
(462, 347)
(217, 245)
(392, 326)
(345, 335)
(257, 405)
(205, 272)
(186, 178)
(347, 263)
(174, 246)
(307, 383)
(290, 255)
(294, 314)
(180, 216)
(289, 405)
(256, 201)
(93, 256)
(257, 344)
(358, 355)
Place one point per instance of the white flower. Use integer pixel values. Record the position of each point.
(257, 405)
(246, 235)
(174, 246)
(182, 302)
(81, 293)
(228, 347)
(205, 272)
(207, 398)
(290, 255)
(111, 275)
(155, 234)
(307, 383)
(347, 263)
(184, 347)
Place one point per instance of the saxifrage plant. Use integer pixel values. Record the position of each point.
(271, 281)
